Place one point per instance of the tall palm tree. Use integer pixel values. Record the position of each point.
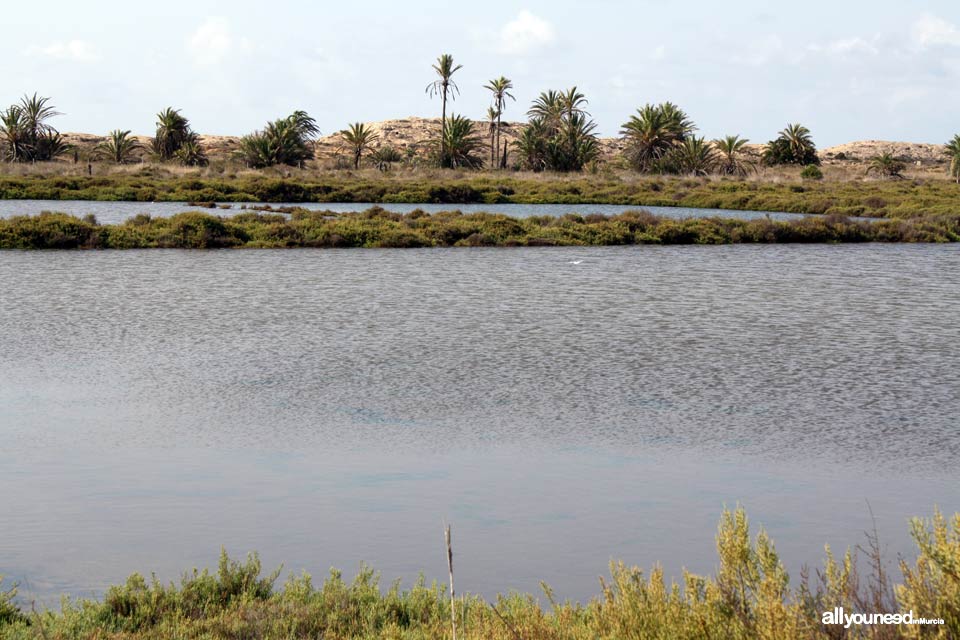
(173, 130)
(118, 147)
(358, 137)
(732, 161)
(953, 151)
(500, 88)
(492, 115)
(446, 87)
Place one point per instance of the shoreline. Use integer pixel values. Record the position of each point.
(749, 595)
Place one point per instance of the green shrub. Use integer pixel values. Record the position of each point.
(811, 172)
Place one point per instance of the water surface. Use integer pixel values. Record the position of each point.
(117, 212)
(328, 407)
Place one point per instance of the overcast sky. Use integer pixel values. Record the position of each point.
(848, 69)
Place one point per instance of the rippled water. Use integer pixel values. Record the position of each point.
(116, 212)
(329, 407)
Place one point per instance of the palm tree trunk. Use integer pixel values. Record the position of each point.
(498, 132)
(443, 127)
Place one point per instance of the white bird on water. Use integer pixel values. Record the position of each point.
(575, 262)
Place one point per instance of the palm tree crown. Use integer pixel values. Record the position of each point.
(118, 147)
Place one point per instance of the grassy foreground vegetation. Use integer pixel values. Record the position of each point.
(377, 227)
(893, 199)
(749, 596)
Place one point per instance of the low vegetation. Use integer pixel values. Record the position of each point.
(377, 227)
(750, 596)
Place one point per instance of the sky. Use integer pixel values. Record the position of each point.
(847, 69)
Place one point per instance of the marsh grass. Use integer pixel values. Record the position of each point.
(749, 597)
(378, 227)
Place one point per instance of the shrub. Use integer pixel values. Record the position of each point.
(811, 172)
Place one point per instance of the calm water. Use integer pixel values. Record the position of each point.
(328, 407)
(115, 212)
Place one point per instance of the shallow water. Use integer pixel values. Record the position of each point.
(116, 212)
(332, 407)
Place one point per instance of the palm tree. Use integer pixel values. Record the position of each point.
(446, 87)
(695, 156)
(26, 134)
(952, 149)
(13, 131)
(36, 112)
(191, 152)
(887, 165)
(653, 132)
(492, 115)
(462, 144)
(283, 141)
(358, 137)
(559, 136)
(118, 147)
(549, 108)
(304, 125)
(798, 137)
(500, 87)
(173, 130)
(794, 145)
(531, 145)
(384, 157)
(732, 161)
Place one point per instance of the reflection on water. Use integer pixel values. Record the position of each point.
(330, 407)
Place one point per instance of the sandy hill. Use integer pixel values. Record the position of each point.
(414, 136)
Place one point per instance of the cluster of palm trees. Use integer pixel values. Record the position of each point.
(287, 141)
(559, 135)
(26, 134)
(660, 138)
(174, 141)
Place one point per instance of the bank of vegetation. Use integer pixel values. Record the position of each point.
(377, 227)
(750, 596)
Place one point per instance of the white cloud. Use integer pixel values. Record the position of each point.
(846, 46)
(69, 50)
(211, 42)
(931, 31)
(526, 33)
